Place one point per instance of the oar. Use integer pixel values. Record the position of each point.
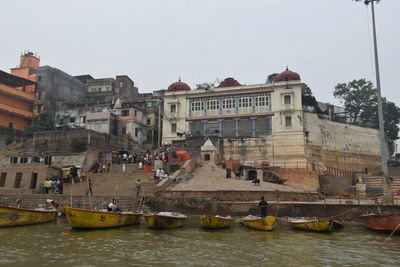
(391, 233)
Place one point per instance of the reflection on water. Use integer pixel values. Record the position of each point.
(47, 245)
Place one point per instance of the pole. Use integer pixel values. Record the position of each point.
(384, 152)
(159, 127)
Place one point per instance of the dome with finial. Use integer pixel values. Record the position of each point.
(287, 75)
(178, 86)
(229, 82)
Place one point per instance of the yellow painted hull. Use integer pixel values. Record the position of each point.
(314, 225)
(15, 216)
(82, 218)
(215, 222)
(155, 221)
(265, 224)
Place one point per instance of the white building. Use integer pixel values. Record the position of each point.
(267, 123)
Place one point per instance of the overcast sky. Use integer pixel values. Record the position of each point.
(157, 41)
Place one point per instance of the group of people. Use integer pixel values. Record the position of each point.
(53, 185)
(160, 175)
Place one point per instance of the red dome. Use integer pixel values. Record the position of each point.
(287, 75)
(229, 82)
(178, 86)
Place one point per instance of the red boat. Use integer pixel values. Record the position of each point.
(382, 222)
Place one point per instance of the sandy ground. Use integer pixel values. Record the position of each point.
(213, 179)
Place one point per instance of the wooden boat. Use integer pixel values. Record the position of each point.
(84, 218)
(382, 222)
(17, 216)
(164, 220)
(215, 222)
(312, 224)
(265, 224)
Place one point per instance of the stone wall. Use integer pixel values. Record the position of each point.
(26, 172)
(341, 146)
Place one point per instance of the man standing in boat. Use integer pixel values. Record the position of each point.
(262, 205)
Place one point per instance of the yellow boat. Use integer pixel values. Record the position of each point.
(16, 216)
(215, 222)
(265, 224)
(164, 220)
(312, 224)
(83, 218)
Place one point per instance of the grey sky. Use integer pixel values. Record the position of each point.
(157, 41)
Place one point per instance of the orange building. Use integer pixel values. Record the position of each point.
(16, 102)
(28, 66)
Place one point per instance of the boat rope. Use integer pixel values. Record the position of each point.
(343, 213)
(391, 233)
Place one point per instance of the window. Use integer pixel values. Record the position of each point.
(10, 125)
(72, 119)
(99, 89)
(33, 182)
(288, 121)
(212, 104)
(14, 160)
(148, 121)
(125, 112)
(136, 132)
(123, 130)
(135, 112)
(173, 127)
(228, 102)
(39, 78)
(207, 157)
(18, 178)
(245, 101)
(197, 105)
(83, 119)
(3, 179)
(287, 100)
(23, 160)
(61, 121)
(262, 100)
(173, 108)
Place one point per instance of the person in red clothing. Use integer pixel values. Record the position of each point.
(89, 188)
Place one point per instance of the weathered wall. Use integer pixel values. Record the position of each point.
(58, 86)
(10, 171)
(302, 178)
(342, 146)
(334, 185)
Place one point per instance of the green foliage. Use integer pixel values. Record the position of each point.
(40, 122)
(360, 101)
(78, 145)
(307, 90)
(271, 77)
(207, 85)
(357, 96)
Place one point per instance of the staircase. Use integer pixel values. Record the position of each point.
(375, 182)
(116, 183)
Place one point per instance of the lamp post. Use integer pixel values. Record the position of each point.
(384, 152)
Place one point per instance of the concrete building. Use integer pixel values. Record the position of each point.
(109, 89)
(16, 104)
(56, 86)
(269, 125)
(27, 69)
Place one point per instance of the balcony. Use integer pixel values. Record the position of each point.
(6, 90)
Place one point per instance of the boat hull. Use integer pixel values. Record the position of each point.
(265, 224)
(313, 225)
(379, 222)
(15, 216)
(93, 219)
(155, 221)
(215, 222)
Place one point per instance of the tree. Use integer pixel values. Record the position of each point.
(207, 85)
(271, 78)
(307, 90)
(40, 122)
(360, 101)
(357, 96)
(391, 116)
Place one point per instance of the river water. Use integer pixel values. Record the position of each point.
(56, 244)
